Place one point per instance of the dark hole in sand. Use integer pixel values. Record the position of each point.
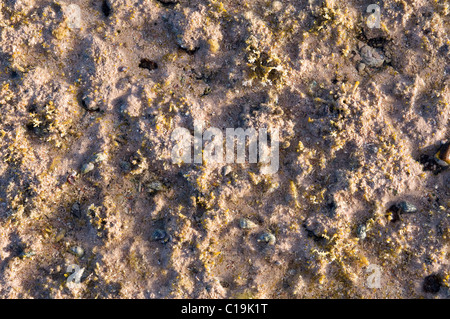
(106, 8)
(148, 64)
(432, 283)
(168, 3)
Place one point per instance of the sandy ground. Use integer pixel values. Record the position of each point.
(361, 112)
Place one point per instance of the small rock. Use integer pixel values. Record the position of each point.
(155, 186)
(77, 251)
(99, 157)
(361, 67)
(371, 56)
(75, 210)
(60, 235)
(361, 231)
(267, 238)
(160, 235)
(125, 166)
(245, 223)
(87, 168)
(226, 170)
(405, 207)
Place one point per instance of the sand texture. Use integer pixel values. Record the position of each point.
(87, 179)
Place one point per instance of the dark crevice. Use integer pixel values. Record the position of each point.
(148, 64)
(106, 8)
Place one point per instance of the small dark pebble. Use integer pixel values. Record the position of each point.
(405, 207)
(148, 64)
(75, 210)
(267, 238)
(432, 283)
(361, 231)
(402, 207)
(226, 170)
(125, 166)
(160, 235)
(316, 237)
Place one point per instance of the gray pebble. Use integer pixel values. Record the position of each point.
(245, 223)
(226, 170)
(406, 207)
(361, 67)
(77, 251)
(155, 186)
(99, 157)
(160, 235)
(75, 210)
(125, 166)
(87, 168)
(371, 56)
(361, 231)
(267, 238)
